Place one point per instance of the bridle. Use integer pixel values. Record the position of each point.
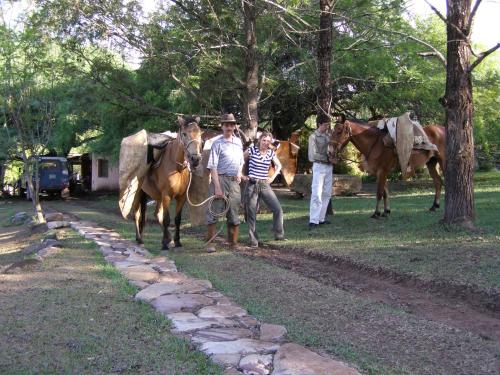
(336, 144)
(186, 146)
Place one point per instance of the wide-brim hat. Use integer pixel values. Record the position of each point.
(228, 118)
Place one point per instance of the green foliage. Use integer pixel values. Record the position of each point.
(193, 62)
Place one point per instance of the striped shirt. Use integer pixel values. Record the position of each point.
(258, 165)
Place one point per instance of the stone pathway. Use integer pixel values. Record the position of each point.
(214, 324)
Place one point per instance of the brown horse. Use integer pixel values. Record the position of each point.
(379, 159)
(168, 179)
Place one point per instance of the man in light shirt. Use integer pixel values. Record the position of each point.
(321, 189)
(226, 165)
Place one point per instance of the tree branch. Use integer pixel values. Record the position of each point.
(471, 17)
(482, 56)
(445, 20)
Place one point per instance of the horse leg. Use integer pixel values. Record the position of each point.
(140, 218)
(381, 180)
(178, 213)
(165, 222)
(436, 178)
(387, 208)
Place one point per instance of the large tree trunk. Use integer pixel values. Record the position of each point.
(324, 59)
(3, 166)
(459, 202)
(251, 94)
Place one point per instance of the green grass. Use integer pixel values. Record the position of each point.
(412, 241)
(377, 338)
(74, 313)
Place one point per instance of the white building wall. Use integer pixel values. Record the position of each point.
(104, 183)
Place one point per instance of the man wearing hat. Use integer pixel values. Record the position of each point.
(226, 165)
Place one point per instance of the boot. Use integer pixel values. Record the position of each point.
(211, 231)
(233, 232)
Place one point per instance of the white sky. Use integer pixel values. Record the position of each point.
(486, 27)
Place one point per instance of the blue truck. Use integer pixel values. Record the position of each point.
(53, 174)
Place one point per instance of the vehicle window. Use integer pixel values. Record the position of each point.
(49, 165)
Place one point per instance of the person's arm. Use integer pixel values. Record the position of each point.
(240, 169)
(246, 157)
(215, 180)
(213, 162)
(311, 149)
(277, 169)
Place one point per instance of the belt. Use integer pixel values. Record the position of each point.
(257, 180)
(321, 162)
(231, 178)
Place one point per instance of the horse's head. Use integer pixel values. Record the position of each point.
(339, 137)
(190, 137)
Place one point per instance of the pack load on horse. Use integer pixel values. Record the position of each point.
(158, 166)
(412, 148)
(405, 135)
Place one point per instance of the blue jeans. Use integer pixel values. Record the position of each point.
(263, 191)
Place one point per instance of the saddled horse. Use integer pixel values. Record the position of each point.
(379, 159)
(168, 179)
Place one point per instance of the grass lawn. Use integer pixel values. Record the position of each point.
(75, 314)
(378, 338)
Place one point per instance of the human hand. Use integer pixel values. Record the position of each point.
(218, 192)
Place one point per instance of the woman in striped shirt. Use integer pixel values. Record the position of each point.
(259, 159)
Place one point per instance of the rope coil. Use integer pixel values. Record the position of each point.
(211, 201)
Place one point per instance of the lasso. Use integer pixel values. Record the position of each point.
(211, 200)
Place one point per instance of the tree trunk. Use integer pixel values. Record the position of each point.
(251, 94)
(2, 176)
(459, 200)
(324, 60)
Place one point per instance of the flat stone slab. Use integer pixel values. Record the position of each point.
(127, 263)
(180, 302)
(293, 359)
(221, 334)
(54, 216)
(139, 284)
(176, 278)
(272, 332)
(140, 273)
(241, 346)
(57, 224)
(221, 311)
(164, 266)
(113, 258)
(256, 364)
(187, 322)
(156, 290)
(226, 359)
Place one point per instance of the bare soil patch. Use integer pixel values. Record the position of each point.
(411, 298)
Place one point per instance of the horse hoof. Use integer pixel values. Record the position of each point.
(386, 213)
(178, 244)
(376, 215)
(139, 241)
